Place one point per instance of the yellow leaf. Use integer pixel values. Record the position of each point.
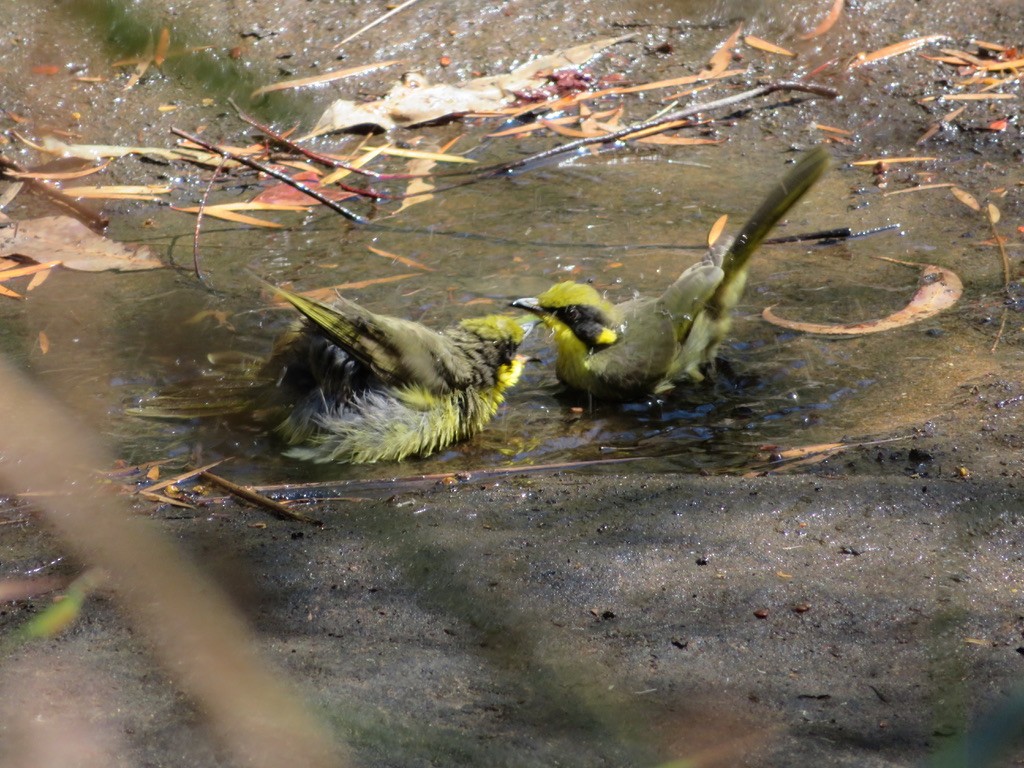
(238, 218)
(716, 229)
(993, 214)
(7, 274)
(416, 154)
(893, 160)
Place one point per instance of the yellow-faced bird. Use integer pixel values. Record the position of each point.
(350, 385)
(645, 346)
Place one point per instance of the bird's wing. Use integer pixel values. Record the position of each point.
(780, 199)
(644, 355)
(688, 295)
(400, 352)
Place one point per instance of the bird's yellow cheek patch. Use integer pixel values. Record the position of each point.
(607, 337)
(509, 373)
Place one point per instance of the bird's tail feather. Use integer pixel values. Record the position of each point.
(780, 199)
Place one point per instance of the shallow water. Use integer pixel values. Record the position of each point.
(629, 219)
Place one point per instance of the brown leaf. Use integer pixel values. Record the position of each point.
(939, 289)
(966, 198)
(44, 342)
(722, 57)
(74, 245)
(401, 259)
(162, 44)
(828, 22)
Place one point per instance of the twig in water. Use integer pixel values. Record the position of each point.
(663, 122)
(279, 175)
(199, 219)
(317, 157)
(259, 500)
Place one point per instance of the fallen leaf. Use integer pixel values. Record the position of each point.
(904, 46)
(716, 229)
(68, 241)
(55, 176)
(681, 141)
(993, 214)
(828, 22)
(35, 269)
(119, 192)
(978, 97)
(44, 342)
(331, 291)
(921, 188)
(419, 154)
(229, 212)
(939, 289)
(966, 198)
(99, 151)
(419, 190)
(359, 162)
(401, 259)
(998, 66)
(38, 279)
(162, 44)
(722, 56)
(832, 129)
(414, 100)
(893, 160)
(764, 45)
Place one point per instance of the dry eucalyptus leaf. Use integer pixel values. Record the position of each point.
(939, 289)
(67, 240)
(966, 198)
(414, 100)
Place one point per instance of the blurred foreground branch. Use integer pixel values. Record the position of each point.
(198, 636)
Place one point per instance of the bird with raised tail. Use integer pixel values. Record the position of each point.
(646, 346)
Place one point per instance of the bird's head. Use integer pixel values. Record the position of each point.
(505, 332)
(577, 308)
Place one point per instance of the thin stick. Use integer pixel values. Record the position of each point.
(199, 220)
(375, 22)
(280, 176)
(248, 494)
(317, 157)
(1006, 268)
(664, 120)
